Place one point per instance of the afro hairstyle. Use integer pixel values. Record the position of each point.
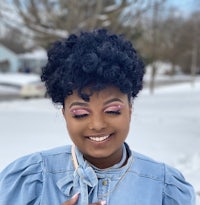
(93, 59)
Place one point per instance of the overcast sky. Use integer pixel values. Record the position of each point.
(185, 5)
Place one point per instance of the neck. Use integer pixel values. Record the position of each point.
(106, 162)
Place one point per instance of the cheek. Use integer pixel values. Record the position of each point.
(122, 123)
(74, 128)
(124, 126)
(73, 131)
(71, 127)
(125, 121)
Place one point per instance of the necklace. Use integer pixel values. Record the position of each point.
(120, 179)
(75, 162)
(74, 158)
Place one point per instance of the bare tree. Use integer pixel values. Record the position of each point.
(14, 40)
(182, 42)
(151, 38)
(170, 45)
(48, 20)
(195, 44)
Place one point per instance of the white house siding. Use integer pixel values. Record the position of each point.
(34, 60)
(11, 57)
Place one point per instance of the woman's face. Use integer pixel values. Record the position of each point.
(99, 127)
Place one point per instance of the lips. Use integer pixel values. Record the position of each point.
(99, 138)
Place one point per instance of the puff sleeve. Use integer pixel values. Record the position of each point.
(21, 181)
(176, 190)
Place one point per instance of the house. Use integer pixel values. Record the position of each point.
(9, 61)
(33, 61)
(27, 62)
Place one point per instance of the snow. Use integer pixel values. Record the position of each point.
(102, 17)
(8, 90)
(163, 67)
(106, 23)
(164, 126)
(19, 79)
(111, 8)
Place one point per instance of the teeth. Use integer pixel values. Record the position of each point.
(99, 139)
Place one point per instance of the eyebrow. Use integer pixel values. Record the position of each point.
(113, 100)
(78, 104)
(86, 104)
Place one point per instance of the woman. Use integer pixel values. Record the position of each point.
(95, 76)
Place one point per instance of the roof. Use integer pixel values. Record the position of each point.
(39, 54)
(7, 49)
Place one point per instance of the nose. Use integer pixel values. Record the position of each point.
(97, 122)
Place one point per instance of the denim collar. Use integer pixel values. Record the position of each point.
(85, 176)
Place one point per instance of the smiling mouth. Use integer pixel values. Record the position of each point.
(99, 139)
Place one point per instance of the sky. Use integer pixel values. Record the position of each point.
(186, 6)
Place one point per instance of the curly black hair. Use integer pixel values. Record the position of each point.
(93, 59)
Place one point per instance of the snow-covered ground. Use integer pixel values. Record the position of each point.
(18, 79)
(165, 126)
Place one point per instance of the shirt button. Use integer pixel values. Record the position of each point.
(104, 182)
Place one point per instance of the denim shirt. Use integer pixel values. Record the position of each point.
(49, 178)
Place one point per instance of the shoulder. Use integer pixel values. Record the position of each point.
(57, 159)
(147, 167)
(41, 160)
(24, 177)
(176, 190)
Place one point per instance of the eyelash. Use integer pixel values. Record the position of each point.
(111, 112)
(80, 116)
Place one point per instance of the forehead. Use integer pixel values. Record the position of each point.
(104, 94)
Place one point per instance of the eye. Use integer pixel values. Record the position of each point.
(79, 113)
(113, 110)
(80, 116)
